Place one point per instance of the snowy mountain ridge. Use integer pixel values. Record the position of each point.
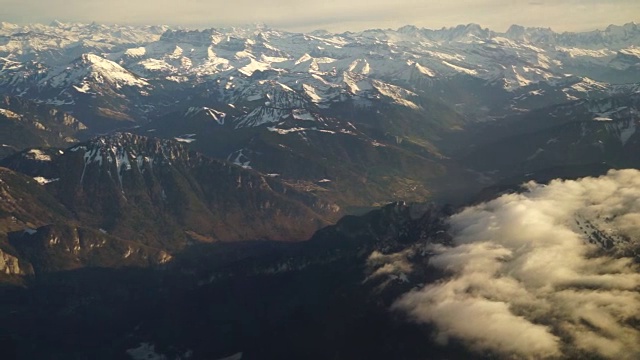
(133, 71)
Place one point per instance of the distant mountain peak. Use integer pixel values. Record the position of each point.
(56, 23)
(95, 69)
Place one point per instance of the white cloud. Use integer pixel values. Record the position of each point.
(390, 264)
(525, 281)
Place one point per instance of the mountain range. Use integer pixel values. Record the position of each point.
(146, 168)
(256, 96)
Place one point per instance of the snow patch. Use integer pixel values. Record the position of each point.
(301, 114)
(311, 93)
(397, 94)
(217, 116)
(535, 155)
(43, 181)
(240, 159)
(145, 351)
(38, 155)
(627, 132)
(424, 70)
(77, 148)
(83, 89)
(460, 68)
(254, 66)
(9, 114)
(184, 140)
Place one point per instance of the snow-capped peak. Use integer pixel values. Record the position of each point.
(91, 68)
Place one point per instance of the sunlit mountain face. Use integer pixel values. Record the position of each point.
(254, 193)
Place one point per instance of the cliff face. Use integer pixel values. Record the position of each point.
(129, 200)
(161, 194)
(10, 265)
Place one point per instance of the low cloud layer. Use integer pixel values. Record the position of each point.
(525, 281)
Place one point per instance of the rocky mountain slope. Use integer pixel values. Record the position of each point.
(321, 110)
(583, 132)
(123, 200)
(123, 183)
(25, 124)
(238, 292)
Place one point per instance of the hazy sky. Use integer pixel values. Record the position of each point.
(333, 15)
